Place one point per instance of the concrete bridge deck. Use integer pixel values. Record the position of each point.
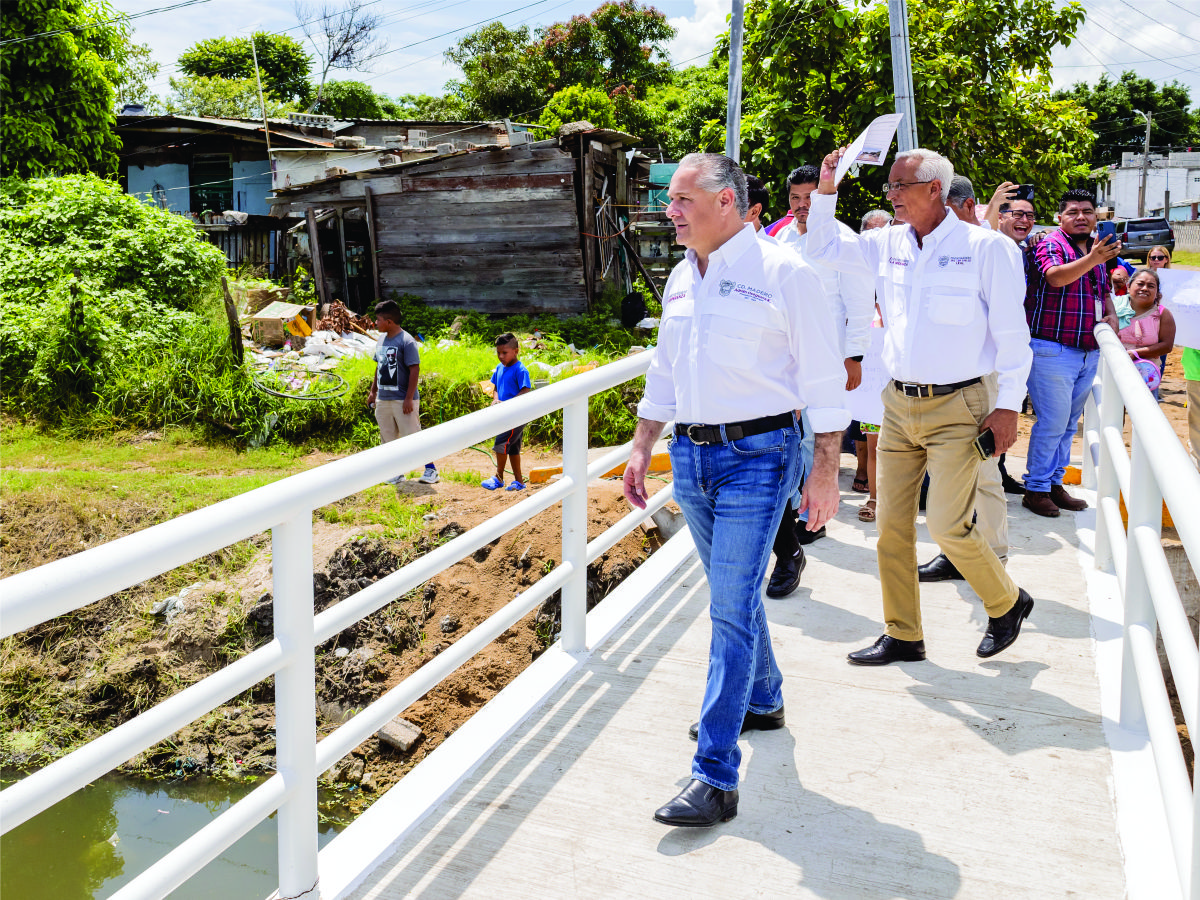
(950, 778)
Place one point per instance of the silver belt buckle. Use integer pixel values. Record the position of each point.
(915, 390)
(692, 437)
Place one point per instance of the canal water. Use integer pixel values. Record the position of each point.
(100, 838)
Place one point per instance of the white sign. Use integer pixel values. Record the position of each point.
(1181, 295)
(871, 146)
(865, 402)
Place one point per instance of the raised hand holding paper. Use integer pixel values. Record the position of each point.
(871, 146)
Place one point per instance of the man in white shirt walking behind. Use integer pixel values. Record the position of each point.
(746, 340)
(953, 298)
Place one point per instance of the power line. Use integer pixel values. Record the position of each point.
(123, 18)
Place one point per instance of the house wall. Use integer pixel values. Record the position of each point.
(252, 186)
(173, 178)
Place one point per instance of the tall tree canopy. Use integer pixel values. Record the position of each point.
(57, 70)
(230, 98)
(356, 100)
(816, 73)
(1118, 128)
(282, 62)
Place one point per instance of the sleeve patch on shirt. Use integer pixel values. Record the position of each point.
(678, 295)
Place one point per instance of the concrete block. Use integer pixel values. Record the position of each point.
(400, 734)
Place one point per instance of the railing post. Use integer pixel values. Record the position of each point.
(1112, 412)
(295, 707)
(574, 526)
(1144, 506)
(1091, 422)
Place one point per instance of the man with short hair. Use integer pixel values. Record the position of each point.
(1016, 219)
(745, 342)
(961, 199)
(951, 298)
(1068, 294)
(758, 196)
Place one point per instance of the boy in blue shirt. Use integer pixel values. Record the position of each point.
(511, 379)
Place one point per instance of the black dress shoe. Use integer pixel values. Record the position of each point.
(1003, 631)
(785, 578)
(938, 569)
(888, 650)
(1011, 485)
(753, 722)
(806, 537)
(699, 805)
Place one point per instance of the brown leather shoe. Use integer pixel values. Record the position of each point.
(1039, 502)
(1060, 498)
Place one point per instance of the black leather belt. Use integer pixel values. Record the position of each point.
(711, 434)
(932, 390)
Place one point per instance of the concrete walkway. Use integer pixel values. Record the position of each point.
(954, 777)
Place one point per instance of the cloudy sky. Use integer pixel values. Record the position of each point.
(1159, 39)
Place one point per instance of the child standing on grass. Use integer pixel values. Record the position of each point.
(511, 379)
(394, 388)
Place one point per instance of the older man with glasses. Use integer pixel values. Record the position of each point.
(951, 296)
(1068, 294)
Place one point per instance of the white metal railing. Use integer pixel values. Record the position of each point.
(1148, 591)
(285, 508)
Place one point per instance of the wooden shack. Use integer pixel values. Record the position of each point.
(521, 229)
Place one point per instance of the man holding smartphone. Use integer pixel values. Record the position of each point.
(1068, 294)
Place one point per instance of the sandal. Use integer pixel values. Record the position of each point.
(860, 486)
(866, 512)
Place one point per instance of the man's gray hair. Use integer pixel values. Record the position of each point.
(718, 172)
(932, 167)
(961, 190)
(876, 218)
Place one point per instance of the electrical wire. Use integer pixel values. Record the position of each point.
(122, 18)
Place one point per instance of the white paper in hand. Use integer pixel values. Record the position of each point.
(871, 146)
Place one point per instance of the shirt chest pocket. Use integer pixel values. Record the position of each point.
(734, 340)
(951, 300)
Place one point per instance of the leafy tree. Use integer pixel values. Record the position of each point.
(816, 73)
(133, 80)
(503, 74)
(229, 98)
(356, 100)
(617, 44)
(282, 63)
(428, 108)
(57, 70)
(673, 116)
(577, 104)
(1118, 128)
(343, 38)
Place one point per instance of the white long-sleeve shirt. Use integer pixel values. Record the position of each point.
(752, 337)
(851, 293)
(954, 306)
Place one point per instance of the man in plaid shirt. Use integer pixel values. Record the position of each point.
(1068, 292)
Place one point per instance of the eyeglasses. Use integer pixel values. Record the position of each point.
(1160, 256)
(1018, 214)
(1077, 213)
(889, 186)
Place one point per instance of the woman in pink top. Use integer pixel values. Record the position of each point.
(1151, 331)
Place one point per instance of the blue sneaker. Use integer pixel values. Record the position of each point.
(516, 486)
(492, 483)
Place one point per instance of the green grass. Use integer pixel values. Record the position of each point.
(1186, 257)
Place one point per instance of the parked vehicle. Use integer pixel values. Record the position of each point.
(1137, 236)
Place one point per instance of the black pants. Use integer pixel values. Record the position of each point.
(786, 543)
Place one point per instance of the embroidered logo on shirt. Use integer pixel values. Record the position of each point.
(943, 261)
(726, 287)
(897, 261)
(678, 295)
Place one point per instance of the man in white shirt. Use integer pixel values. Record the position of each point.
(952, 297)
(745, 342)
(851, 298)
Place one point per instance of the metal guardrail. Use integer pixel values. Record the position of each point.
(285, 508)
(1148, 591)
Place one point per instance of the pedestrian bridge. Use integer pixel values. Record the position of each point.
(1052, 770)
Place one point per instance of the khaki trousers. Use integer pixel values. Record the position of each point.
(935, 433)
(393, 423)
(991, 506)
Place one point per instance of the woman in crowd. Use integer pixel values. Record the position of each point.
(1151, 331)
(1158, 258)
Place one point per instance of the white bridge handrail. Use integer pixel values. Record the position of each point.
(285, 508)
(1148, 591)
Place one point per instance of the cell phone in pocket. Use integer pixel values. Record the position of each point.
(985, 444)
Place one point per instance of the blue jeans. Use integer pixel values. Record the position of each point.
(1059, 381)
(733, 495)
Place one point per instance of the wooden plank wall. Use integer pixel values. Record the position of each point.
(494, 232)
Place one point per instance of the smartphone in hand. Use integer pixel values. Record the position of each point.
(985, 444)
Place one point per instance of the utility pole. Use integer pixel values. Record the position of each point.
(262, 106)
(906, 135)
(1149, 117)
(733, 106)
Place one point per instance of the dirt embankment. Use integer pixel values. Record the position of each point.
(77, 676)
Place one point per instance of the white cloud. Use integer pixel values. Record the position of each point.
(696, 34)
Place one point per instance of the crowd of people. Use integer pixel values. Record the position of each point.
(765, 330)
